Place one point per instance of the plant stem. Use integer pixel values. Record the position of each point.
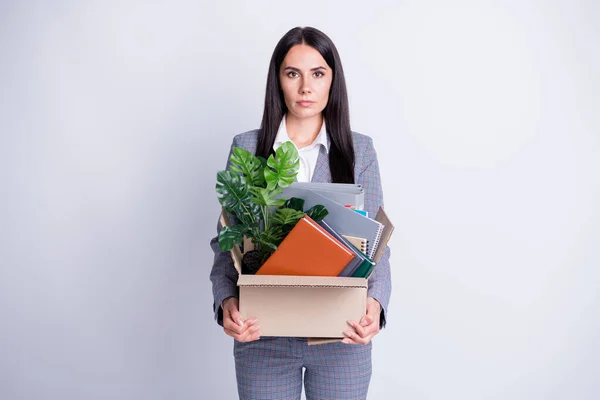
(265, 213)
(247, 213)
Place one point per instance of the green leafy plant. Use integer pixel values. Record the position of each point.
(251, 190)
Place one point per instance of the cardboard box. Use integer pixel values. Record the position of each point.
(302, 306)
(314, 307)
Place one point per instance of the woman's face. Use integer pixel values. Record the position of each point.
(305, 80)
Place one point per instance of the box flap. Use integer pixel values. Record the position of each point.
(388, 228)
(248, 245)
(315, 341)
(300, 281)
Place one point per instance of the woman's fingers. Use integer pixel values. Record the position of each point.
(234, 324)
(249, 329)
(236, 316)
(231, 326)
(360, 334)
(362, 331)
(354, 338)
(251, 333)
(366, 320)
(231, 310)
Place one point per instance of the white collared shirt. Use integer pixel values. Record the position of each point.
(308, 154)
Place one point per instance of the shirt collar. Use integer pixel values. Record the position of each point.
(282, 136)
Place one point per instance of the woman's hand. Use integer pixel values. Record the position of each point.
(234, 326)
(368, 327)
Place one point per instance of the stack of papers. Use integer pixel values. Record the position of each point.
(347, 194)
(343, 220)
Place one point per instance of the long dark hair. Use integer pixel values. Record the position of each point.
(336, 113)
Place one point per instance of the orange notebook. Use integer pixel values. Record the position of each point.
(308, 250)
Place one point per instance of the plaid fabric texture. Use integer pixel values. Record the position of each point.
(271, 368)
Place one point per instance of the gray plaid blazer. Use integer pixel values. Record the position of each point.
(366, 173)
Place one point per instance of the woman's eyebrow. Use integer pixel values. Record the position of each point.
(298, 69)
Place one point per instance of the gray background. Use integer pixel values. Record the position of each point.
(116, 115)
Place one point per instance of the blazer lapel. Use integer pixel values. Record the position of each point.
(322, 172)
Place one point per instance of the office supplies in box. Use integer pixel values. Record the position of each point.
(315, 307)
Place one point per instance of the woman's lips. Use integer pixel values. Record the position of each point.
(305, 103)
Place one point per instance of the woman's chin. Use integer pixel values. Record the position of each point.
(304, 113)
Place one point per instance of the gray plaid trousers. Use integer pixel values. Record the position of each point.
(271, 368)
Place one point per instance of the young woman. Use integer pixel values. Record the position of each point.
(306, 102)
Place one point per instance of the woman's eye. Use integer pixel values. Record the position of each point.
(319, 74)
(292, 74)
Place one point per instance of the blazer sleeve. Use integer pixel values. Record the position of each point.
(380, 281)
(223, 275)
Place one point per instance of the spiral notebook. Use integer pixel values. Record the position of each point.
(360, 243)
(343, 220)
(361, 266)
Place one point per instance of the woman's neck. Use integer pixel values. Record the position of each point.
(303, 131)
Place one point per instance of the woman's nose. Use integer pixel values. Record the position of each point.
(305, 90)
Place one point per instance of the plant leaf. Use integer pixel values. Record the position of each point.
(282, 169)
(265, 197)
(229, 236)
(295, 203)
(233, 193)
(246, 163)
(262, 160)
(287, 216)
(317, 213)
(269, 239)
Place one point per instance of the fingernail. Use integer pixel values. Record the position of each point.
(351, 323)
(347, 333)
(240, 323)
